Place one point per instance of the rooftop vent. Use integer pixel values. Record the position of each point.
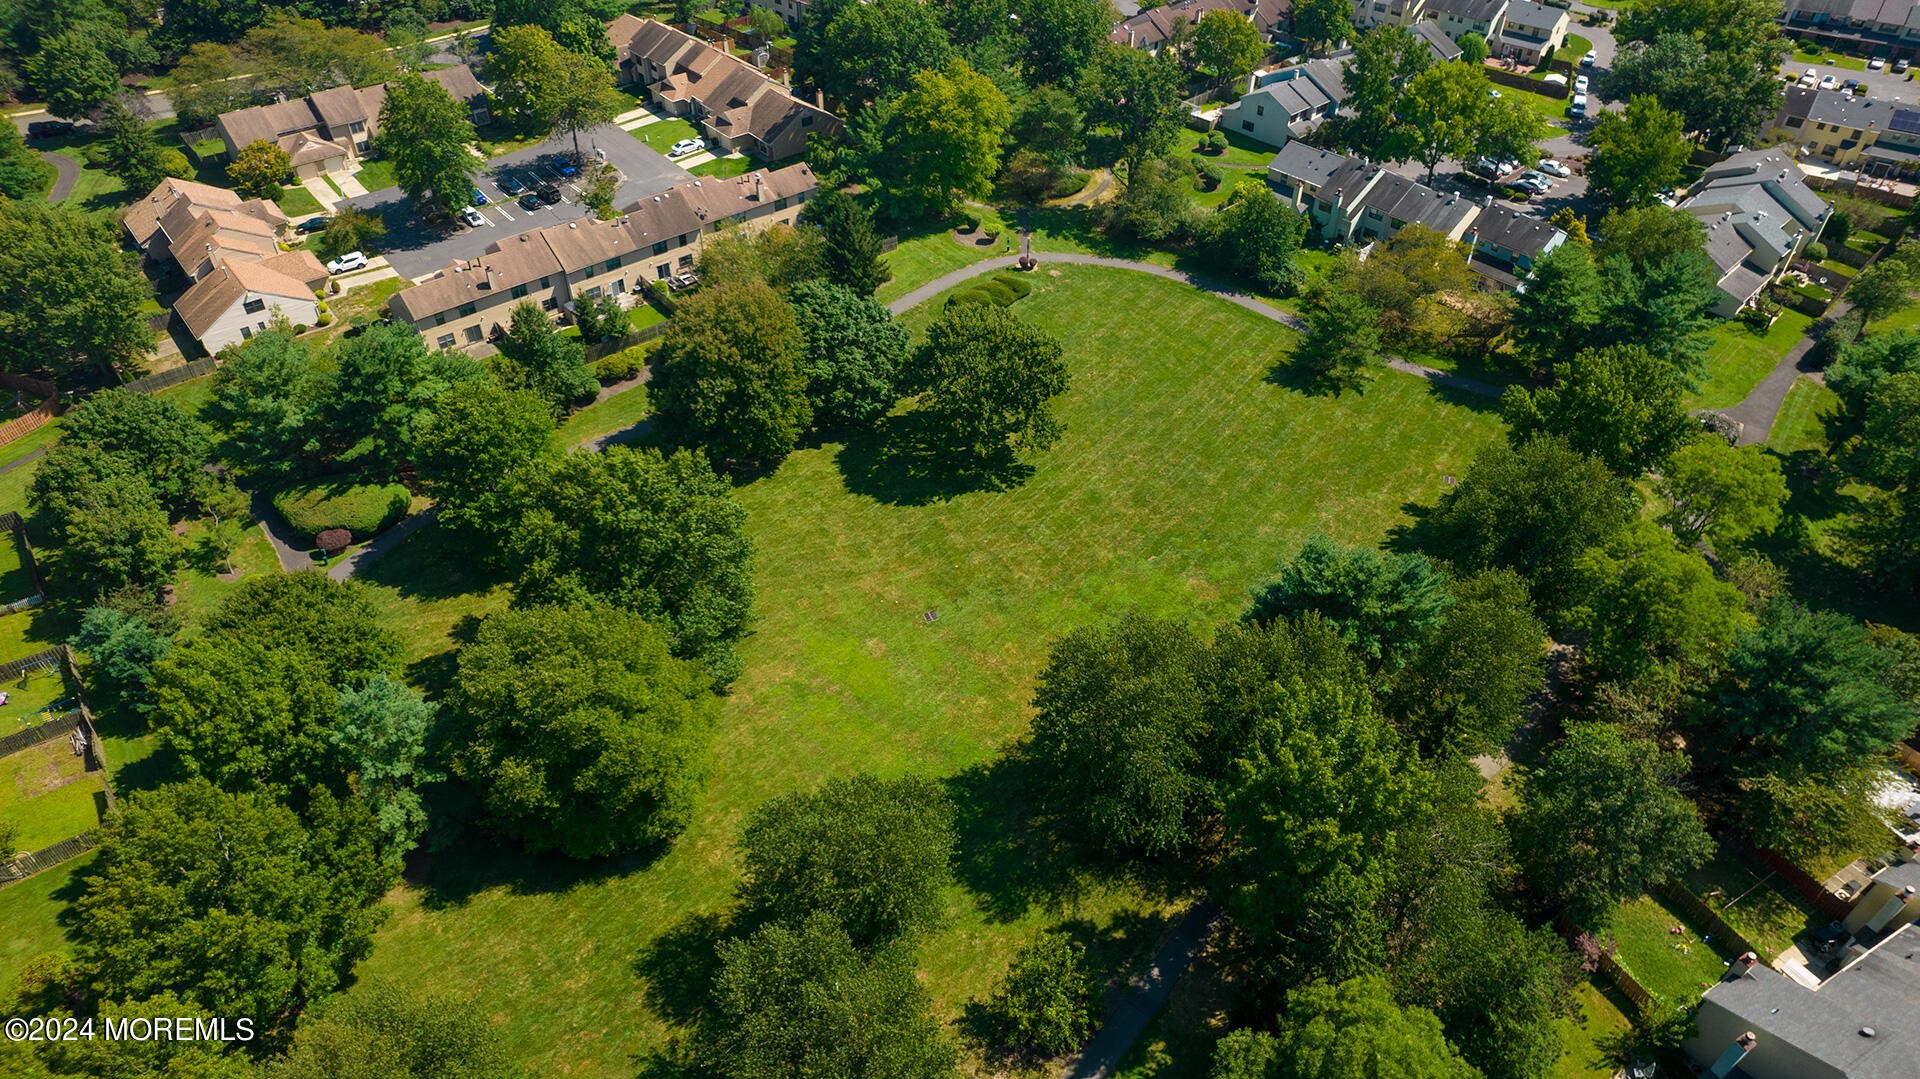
(1866, 1032)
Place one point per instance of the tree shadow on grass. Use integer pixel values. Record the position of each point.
(679, 965)
(907, 461)
(480, 863)
(1013, 856)
(437, 562)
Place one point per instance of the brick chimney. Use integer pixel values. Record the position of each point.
(1735, 1053)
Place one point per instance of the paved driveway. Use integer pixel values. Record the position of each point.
(416, 249)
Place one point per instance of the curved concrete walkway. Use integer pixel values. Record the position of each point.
(66, 173)
(1265, 310)
(1756, 414)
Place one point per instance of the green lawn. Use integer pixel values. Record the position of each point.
(16, 580)
(375, 175)
(1240, 151)
(926, 252)
(1675, 967)
(1572, 49)
(46, 790)
(31, 442)
(1186, 474)
(1830, 59)
(29, 916)
(723, 167)
(1740, 358)
(622, 410)
(297, 202)
(644, 315)
(1550, 108)
(1593, 1043)
(662, 134)
(1755, 902)
(1801, 426)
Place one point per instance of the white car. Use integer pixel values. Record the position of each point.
(685, 146)
(472, 217)
(1580, 84)
(1579, 106)
(1878, 63)
(1829, 83)
(1589, 59)
(1809, 77)
(352, 260)
(1553, 168)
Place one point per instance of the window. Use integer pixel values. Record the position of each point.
(1259, 110)
(246, 333)
(593, 293)
(440, 318)
(446, 340)
(546, 282)
(549, 304)
(473, 335)
(688, 238)
(357, 125)
(660, 248)
(663, 271)
(1795, 121)
(613, 263)
(468, 309)
(517, 292)
(254, 306)
(686, 262)
(781, 204)
(1246, 125)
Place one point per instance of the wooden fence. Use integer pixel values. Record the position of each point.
(48, 658)
(1693, 907)
(1521, 82)
(31, 422)
(174, 377)
(1829, 904)
(1623, 980)
(27, 865)
(58, 727)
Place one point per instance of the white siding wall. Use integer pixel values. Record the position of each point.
(226, 330)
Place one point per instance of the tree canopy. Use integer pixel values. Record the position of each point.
(579, 729)
(390, 1032)
(728, 377)
(1645, 600)
(989, 380)
(1384, 606)
(1622, 405)
(851, 352)
(1349, 1030)
(70, 298)
(426, 133)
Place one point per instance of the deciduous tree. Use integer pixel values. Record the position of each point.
(1257, 237)
(1439, 113)
(1352, 1030)
(535, 357)
(852, 351)
(1384, 60)
(259, 169)
(69, 297)
(1384, 606)
(989, 381)
(153, 437)
(229, 901)
(1320, 24)
(73, 73)
(1645, 600)
(1138, 95)
(381, 395)
(1462, 691)
(426, 133)
(1601, 820)
(392, 1032)
(351, 229)
(579, 729)
(478, 440)
(1636, 154)
(1057, 39)
(943, 139)
(875, 854)
(1051, 123)
(1045, 1004)
(1619, 404)
(728, 379)
(1722, 492)
(1343, 344)
(1226, 43)
(869, 51)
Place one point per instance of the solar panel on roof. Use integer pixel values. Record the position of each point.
(1906, 120)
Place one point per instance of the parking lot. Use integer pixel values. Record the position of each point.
(416, 249)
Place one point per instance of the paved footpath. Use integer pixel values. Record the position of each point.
(1756, 414)
(66, 172)
(1146, 995)
(1265, 310)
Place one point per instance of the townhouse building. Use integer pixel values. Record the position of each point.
(1528, 30)
(330, 131)
(472, 300)
(1889, 29)
(1288, 103)
(735, 104)
(1759, 215)
(1149, 30)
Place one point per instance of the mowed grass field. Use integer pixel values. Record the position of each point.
(900, 626)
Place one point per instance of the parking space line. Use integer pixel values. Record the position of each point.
(503, 213)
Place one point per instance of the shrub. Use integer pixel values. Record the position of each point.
(1021, 287)
(333, 540)
(998, 291)
(1045, 1004)
(9, 840)
(1816, 252)
(970, 223)
(362, 509)
(622, 365)
(1217, 142)
(972, 295)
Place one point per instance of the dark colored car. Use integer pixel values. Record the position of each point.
(510, 185)
(48, 128)
(313, 224)
(530, 201)
(549, 194)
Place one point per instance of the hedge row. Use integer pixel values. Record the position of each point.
(362, 509)
(1000, 290)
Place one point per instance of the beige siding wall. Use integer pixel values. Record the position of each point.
(228, 329)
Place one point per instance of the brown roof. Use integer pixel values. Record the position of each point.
(142, 219)
(739, 98)
(301, 265)
(587, 243)
(214, 295)
(217, 230)
(1150, 28)
(336, 109)
(306, 147)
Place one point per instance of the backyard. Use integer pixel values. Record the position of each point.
(1188, 470)
(45, 789)
(1675, 967)
(1757, 904)
(1739, 358)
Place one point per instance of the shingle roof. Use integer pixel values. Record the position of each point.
(1878, 992)
(740, 98)
(1468, 10)
(337, 108)
(1411, 202)
(301, 265)
(1529, 14)
(585, 243)
(1305, 164)
(1438, 43)
(214, 295)
(1150, 28)
(1513, 231)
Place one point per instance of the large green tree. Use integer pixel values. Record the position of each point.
(875, 854)
(659, 535)
(801, 1002)
(1562, 306)
(989, 381)
(534, 356)
(426, 134)
(1722, 492)
(1057, 39)
(1601, 820)
(1645, 600)
(134, 153)
(942, 139)
(1320, 24)
(1622, 405)
(1439, 113)
(579, 729)
(1462, 691)
(381, 395)
(868, 51)
(850, 251)
(1532, 508)
(728, 377)
(1228, 44)
(70, 298)
(154, 437)
(1637, 154)
(1344, 345)
(229, 901)
(382, 736)
(1350, 1030)
(253, 701)
(73, 73)
(1384, 60)
(851, 351)
(1117, 731)
(478, 440)
(1257, 237)
(1047, 1002)
(22, 173)
(1136, 94)
(267, 398)
(1384, 606)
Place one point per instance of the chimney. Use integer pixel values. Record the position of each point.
(1747, 962)
(1889, 909)
(1735, 1053)
(820, 99)
(759, 188)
